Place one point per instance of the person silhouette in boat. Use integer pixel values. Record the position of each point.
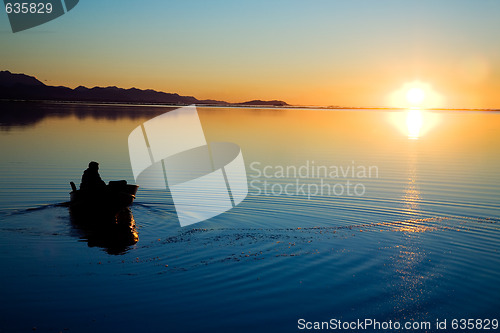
(91, 180)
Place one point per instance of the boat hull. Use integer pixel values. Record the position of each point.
(111, 199)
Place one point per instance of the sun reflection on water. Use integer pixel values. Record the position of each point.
(415, 123)
(409, 256)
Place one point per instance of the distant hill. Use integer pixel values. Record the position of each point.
(25, 87)
(8, 79)
(264, 103)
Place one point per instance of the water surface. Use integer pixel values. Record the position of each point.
(419, 244)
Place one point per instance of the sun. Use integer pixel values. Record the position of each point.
(415, 96)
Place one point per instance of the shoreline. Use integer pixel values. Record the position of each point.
(288, 107)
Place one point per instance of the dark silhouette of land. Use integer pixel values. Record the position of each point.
(263, 103)
(30, 113)
(28, 88)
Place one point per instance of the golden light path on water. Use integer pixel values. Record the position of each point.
(415, 123)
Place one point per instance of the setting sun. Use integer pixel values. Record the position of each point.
(415, 96)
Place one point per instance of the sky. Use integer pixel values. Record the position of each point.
(326, 53)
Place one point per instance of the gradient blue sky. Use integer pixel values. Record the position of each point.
(354, 53)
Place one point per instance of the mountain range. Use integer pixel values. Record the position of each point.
(24, 87)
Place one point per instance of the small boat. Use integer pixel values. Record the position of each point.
(111, 199)
(102, 217)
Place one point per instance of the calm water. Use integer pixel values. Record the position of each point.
(418, 241)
